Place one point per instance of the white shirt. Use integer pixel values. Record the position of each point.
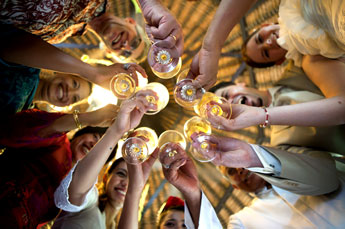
(208, 218)
(277, 208)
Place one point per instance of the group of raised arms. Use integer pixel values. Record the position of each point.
(52, 180)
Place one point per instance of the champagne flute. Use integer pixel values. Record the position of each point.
(155, 95)
(187, 92)
(197, 130)
(139, 145)
(122, 85)
(164, 59)
(210, 103)
(172, 146)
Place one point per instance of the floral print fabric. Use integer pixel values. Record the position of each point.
(52, 20)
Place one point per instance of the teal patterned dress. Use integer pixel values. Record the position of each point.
(18, 85)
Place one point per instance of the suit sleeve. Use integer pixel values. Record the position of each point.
(304, 171)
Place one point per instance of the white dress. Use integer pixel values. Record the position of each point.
(312, 27)
(87, 215)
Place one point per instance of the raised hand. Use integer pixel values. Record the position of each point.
(139, 173)
(204, 67)
(183, 175)
(242, 116)
(231, 152)
(161, 24)
(130, 115)
(105, 73)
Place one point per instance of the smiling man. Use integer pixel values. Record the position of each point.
(124, 37)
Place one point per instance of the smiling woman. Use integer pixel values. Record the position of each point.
(106, 205)
(62, 89)
(21, 88)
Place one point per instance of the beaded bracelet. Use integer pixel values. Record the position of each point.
(76, 119)
(266, 118)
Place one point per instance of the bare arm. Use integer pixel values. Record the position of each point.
(88, 168)
(204, 66)
(101, 117)
(27, 49)
(138, 175)
(228, 14)
(329, 76)
(21, 47)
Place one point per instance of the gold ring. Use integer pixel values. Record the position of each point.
(173, 36)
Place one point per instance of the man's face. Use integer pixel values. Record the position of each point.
(63, 89)
(262, 47)
(239, 94)
(120, 35)
(245, 180)
(82, 144)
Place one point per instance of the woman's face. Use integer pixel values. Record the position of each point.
(262, 47)
(64, 89)
(173, 220)
(82, 144)
(117, 183)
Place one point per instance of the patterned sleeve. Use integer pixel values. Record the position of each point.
(61, 197)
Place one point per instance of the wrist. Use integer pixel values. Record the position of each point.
(193, 198)
(84, 119)
(265, 117)
(192, 195)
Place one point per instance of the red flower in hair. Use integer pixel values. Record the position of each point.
(173, 201)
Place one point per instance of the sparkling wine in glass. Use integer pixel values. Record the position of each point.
(155, 95)
(164, 59)
(122, 86)
(210, 103)
(194, 130)
(139, 145)
(172, 146)
(187, 92)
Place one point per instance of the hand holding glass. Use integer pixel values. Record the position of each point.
(187, 92)
(155, 96)
(172, 146)
(214, 105)
(139, 145)
(164, 59)
(196, 130)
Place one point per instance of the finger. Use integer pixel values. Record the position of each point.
(153, 157)
(164, 30)
(140, 70)
(178, 163)
(194, 68)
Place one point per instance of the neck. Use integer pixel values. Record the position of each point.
(111, 210)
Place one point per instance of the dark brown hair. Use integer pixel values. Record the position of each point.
(247, 59)
(103, 198)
